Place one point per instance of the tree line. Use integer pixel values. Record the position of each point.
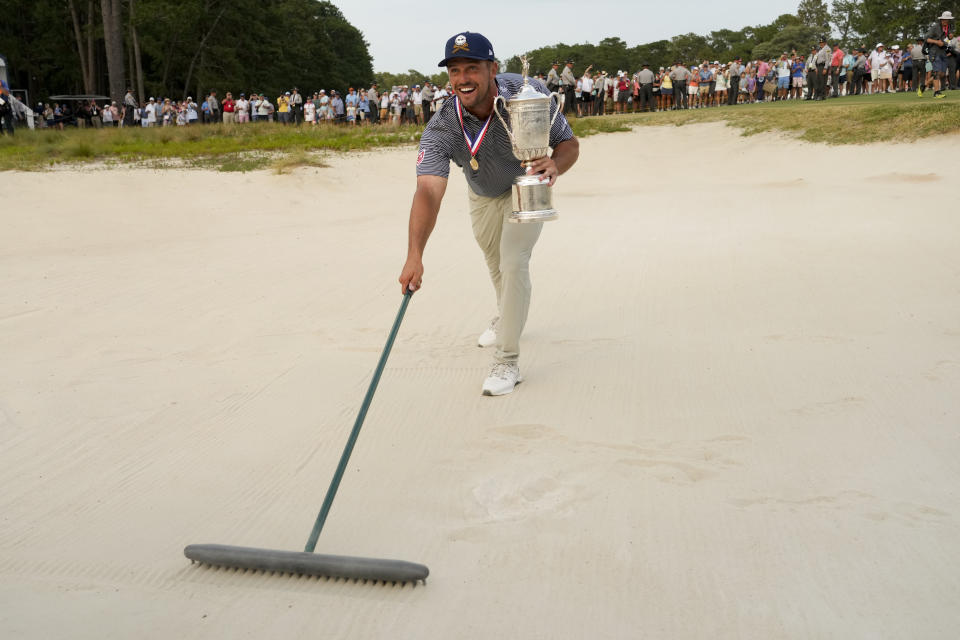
(177, 47)
(847, 22)
(174, 48)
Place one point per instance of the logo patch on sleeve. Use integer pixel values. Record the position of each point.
(420, 157)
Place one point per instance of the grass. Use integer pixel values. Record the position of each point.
(228, 148)
(899, 117)
(287, 163)
(849, 120)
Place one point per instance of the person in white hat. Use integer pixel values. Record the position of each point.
(938, 35)
(879, 60)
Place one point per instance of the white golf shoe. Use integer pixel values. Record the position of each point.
(489, 337)
(504, 376)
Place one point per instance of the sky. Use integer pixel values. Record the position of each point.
(411, 35)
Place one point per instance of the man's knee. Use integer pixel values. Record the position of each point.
(517, 264)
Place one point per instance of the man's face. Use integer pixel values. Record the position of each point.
(229, 95)
(472, 80)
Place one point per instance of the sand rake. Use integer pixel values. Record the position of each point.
(307, 562)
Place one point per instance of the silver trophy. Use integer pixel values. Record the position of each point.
(529, 112)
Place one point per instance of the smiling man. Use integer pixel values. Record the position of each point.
(466, 131)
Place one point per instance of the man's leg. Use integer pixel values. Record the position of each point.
(507, 248)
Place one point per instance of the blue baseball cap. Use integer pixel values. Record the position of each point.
(467, 45)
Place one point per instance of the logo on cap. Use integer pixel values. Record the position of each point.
(460, 43)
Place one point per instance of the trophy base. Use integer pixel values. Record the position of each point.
(533, 216)
(532, 201)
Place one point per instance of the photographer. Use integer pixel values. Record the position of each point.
(938, 35)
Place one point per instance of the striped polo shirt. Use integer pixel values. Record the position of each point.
(442, 141)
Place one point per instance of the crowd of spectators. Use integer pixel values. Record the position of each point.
(399, 104)
(825, 72)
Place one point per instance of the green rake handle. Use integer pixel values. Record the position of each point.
(355, 433)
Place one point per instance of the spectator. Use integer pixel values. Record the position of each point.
(623, 92)
(763, 68)
(283, 108)
(938, 35)
(427, 94)
(336, 106)
(151, 113)
(363, 108)
(783, 76)
(568, 84)
(906, 70)
(586, 92)
(880, 69)
(704, 78)
(553, 78)
(214, 105)
(680, 76)
(129, 106)
(395, 108)
(919, 66)
(192, 115)
(373, 103)
(6, 111)
(836, 64)
(666, 90)
(351, 103)
(265, 109)
(229, 109)
(324, 113)
(296, 106)
(416, 98)
(734, 70)
(243, 109)
(645, 79)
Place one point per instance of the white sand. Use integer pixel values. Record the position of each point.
(740, 418)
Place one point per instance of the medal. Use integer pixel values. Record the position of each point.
(472, 145)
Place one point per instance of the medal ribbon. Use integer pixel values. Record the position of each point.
(474, 146)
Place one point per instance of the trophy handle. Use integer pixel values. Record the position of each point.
(500, 118)
(560, 100)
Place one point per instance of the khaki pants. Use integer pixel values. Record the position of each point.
(229, 117)
(507, 248)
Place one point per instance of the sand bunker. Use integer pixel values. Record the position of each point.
(739, 417)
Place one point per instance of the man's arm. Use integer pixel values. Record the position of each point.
(423, 217)
(564, 156)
